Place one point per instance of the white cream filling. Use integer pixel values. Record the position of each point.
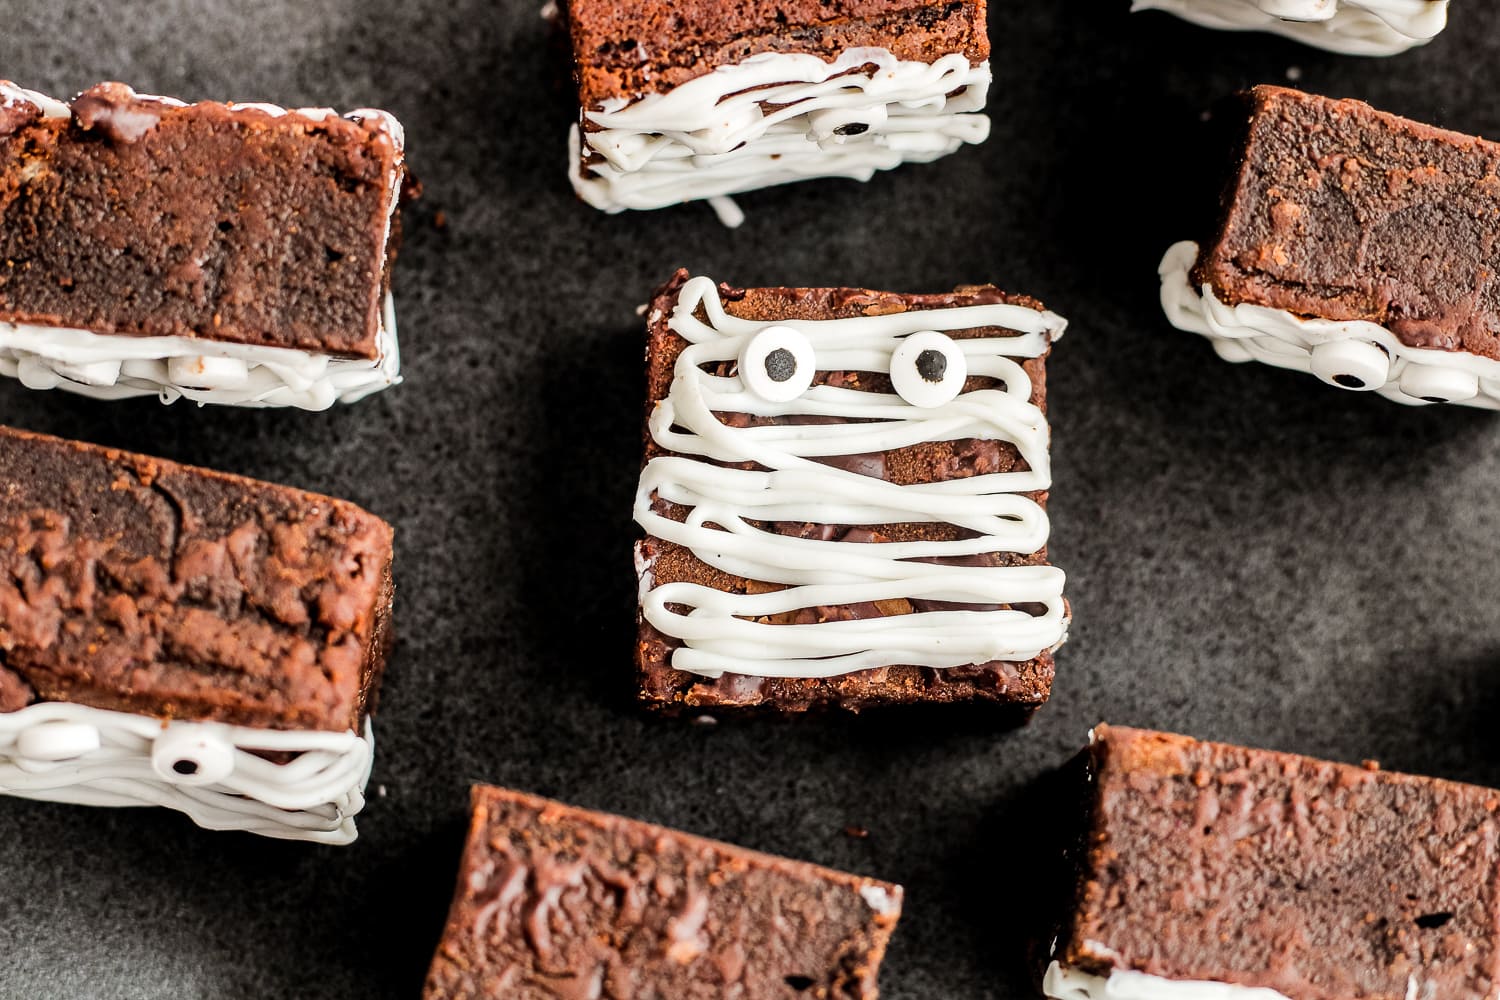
(774, 119)
(61, 752)
(721, 631)
(1348, 354)
(1062, 983)
(111, 366)
(1353, 27)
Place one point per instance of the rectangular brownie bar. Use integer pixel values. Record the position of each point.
(164, 610)
(857, 533)
(554, 901)
(233, 253)
(1216, 870)
(702, 99)
(1354, 245)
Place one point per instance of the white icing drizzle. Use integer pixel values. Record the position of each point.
(1353, 27)
(1063, 983)
(1339, 352)
(718, 631)
(61, 752)
(105, 366)
(777, 118)
(112, 366)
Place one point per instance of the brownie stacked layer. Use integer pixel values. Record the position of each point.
(558, 903)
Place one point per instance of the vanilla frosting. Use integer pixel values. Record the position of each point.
(773, 119)
(61, 752)
(1355, 354)
(112, 366)
(718, 630)
(1353, 27)
(1063, 983)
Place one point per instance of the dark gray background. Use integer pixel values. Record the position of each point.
(1252, 556)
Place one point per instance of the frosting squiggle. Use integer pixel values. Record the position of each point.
(1353, 27)
(60, 752)
(719, 631)
(774, 119)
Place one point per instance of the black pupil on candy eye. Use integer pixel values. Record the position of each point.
(853, 128)
(932, 365)
(1350, 381)
(781, 365)
(185, 766)
(1433, 399)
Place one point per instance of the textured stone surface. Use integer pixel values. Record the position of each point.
(1252, 556)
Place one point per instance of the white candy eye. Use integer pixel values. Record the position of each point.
(188, 755)
(1351, 364)
(58, 741)
(928, 369)
(1432, 384)
(778, 364)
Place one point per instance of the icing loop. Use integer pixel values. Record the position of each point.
(1353, 354)
(1353, 27)
(719, 630)
(215, 773)
(773, 119)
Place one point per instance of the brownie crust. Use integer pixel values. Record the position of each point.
(661, 687)
(559, 903)
(139, 585)
(140, 218)
(1322, 881)
(1343, 212)
(629, 50)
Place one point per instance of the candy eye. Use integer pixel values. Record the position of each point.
(188, 756)
(928, 369)
(1432, 384)
(778, 364)
(1351, 364)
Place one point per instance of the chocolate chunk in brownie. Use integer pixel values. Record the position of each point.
(143, 217)
(559, 903)
(140, 585)
(1321, 881)
(1343, 212)
(628, 50)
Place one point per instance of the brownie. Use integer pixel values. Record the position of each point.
(140, 585)
(240, 224)
(628, 50)
(1342, 212)
(559, 903)
(1321, 881)
(1025, 684)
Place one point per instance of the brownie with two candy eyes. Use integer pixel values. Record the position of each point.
(843, 500)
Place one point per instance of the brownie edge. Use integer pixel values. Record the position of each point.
(559, 903)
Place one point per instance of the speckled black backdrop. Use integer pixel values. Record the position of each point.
(1251, 556)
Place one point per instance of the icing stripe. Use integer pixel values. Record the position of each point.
(791, 486)
(774, 119)
(1353, 27)
(1063, 983)
(1330, 349)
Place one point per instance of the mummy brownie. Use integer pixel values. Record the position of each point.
(844, 499)
(177, 637)
(559, 903)
(1355, 246)
(1215, 872)
(1353, 27)
(225, 253)
(704, 99)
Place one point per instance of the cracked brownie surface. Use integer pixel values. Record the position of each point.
(137, 584)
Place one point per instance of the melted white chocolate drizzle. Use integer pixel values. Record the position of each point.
(1353, 27)
(1355, 354)
(59, 752)
(1063, 983)
(718, 630)
(773, 119)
